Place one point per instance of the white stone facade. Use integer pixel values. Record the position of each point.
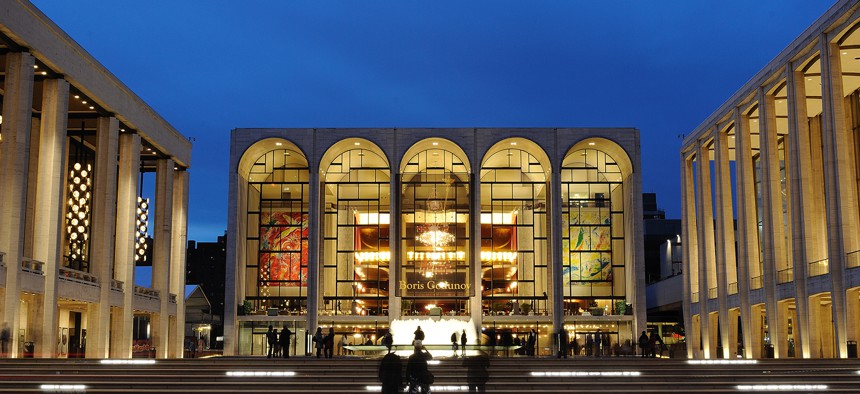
(73, 143)
(776, 274)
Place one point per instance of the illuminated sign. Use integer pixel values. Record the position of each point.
(433, 285)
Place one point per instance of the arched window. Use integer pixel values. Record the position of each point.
(277, 231)
(435, 232)
(592, 211)
(514, 243)
(355, 266)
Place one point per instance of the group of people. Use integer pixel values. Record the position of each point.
(418, 376)
(462, 338)
(324, 344)
(650, 346)
(279, 345)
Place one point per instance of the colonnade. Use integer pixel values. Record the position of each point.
(34, 157)
(770, 216)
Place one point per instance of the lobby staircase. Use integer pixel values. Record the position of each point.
(358, 375)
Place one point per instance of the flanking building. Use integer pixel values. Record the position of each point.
(74, 144)
(781, 158)
(498, 231)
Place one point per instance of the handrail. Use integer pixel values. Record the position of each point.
(756, 282)
(712, 293)
(785, 275)
(819, 267)
(733, 288)
(694, 297)
(852, 259)
(32, 266)
(73, 275)
(147, 292)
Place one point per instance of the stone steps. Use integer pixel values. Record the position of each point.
(353, 375)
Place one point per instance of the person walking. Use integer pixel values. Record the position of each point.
(419, 337)
(463, 343)
(656, 344)
(318, 340)
(530, 343)
(388, 340)
(562, 343)
(329, 343)
(343, 344)
(271, 338)
(644, 344)
(390, 373)
(454, 343)
(419, 377)
(5, 336)
(284, 340)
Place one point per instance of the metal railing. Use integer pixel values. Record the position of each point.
(695, 297)
(852, 259)
(785, 275)
(82, 277)
(819, 267)
(117, 285)
(756, 282)
(32, 266)
(147, 292)
(712, 293)
(733, 288)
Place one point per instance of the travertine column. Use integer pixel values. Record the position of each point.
(103, 230)
(475, 243)
(14, 150)
(177, 259)
(773, 231)
(801, 204)
(725, 235)
(394, 243)
(556, 251)
(690, 275)
(705, 235)
(162, 241)
(126, 211)
(47, 228)
(313, 245)
(747, 224)
(840, 189)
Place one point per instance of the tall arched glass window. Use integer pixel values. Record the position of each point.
(277, 231)
(435, 270)
(514, 241)
(355, 266)
(592, 231)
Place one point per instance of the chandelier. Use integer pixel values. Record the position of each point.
(435, 235)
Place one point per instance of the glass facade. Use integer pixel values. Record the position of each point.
(277, 239)
(592, 233)
(405, 238)
(356, 255)
(435, 232)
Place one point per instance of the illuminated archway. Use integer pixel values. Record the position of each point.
(435, 229)
(355, 264)
(514, 241)
(275, 178)
(593, 177)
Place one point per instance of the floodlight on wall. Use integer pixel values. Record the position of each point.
(78, 215)
(140, 229)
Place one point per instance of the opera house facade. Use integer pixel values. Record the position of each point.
(492, 231)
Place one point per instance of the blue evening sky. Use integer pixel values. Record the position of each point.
(208, 66)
